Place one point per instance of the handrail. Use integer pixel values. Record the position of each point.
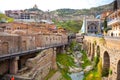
(20, 53)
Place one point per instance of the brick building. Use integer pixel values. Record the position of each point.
(28, 15)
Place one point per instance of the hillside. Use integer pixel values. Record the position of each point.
(69, 16)
(70, 26)
(77, 12)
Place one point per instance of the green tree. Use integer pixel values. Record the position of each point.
(70, 26)
(4, 18)
(105, 25)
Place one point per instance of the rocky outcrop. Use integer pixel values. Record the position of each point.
(38, 67)
(88, 68)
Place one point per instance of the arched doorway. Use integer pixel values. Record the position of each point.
(5, 48)
(24, 47)
(106, 64)
(118, 70)
(89, 49)
(98, 51)
(93, 51)
(111, 34)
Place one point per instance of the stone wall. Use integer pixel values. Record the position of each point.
(41, 64)
(9, 44)
(4, 67)
(109, 52)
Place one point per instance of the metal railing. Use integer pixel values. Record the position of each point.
(110, 21)
(100, 36)
(112, 37)
(29, 51)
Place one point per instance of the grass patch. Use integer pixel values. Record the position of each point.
(85, 59)
(65, 74)
(65, 61)
(96, 61)
(50, 74)
(102, 41)
(96, 73)
(74, 46)
(110, 72)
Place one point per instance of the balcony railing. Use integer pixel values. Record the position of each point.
(113, 21)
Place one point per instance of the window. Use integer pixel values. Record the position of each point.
(95, 27)
(18, 28)
(46, 38)
(59, 38)
(91, 27)
(111, 34)
(88, 27)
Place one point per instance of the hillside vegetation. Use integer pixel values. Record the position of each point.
(70, 26)
(93, 11)
(4, 18)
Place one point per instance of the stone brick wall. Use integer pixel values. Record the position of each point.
(12, 43)
(41, 64)
(9, 44)
(4, 67)
(108, 46)
(28, 42)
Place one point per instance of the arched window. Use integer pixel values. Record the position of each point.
(24, 45)
(111, 34)
(118, 70)
(5, 48)
(95, 27)
(106, 64)
(46, 38)
(88, 27)
(91, 27)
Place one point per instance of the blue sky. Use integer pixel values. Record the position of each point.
(50, 4)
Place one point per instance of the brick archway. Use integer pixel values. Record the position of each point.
(89, 49)
(93, 51)
(5, 48)
(118, 70)
(106, 64)
(24, 45)
(98, 51)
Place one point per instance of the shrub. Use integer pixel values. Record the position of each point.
(85, 59)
